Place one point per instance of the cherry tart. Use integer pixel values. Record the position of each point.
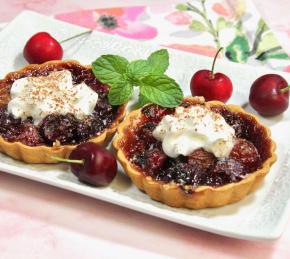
(56, 134)
(200, 179)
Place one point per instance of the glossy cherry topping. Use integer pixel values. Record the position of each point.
(63, 128)
(246, 153)
(200, 167)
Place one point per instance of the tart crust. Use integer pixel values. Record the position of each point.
(202, 196)
(43, 153)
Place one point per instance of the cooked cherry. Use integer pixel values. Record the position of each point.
(60, 128)
(246, 153)
(29, 135)
(185, 174)
(155, 113)
(145, 132)
(154, 159)
(134, 146)
(230, 170)
(202, 158)
(10, 127)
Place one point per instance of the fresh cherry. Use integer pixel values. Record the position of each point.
(269, 95)
(211, 86)
(42, 47)
(92, 164)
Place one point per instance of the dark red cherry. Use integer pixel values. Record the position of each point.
(269, 95)
(99, 165)
(202, 158)
(155, 159)
(246, 154)
(92, 164)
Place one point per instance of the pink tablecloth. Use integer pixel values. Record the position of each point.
(40, 221)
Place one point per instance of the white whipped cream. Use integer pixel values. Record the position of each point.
(43, 95)
(192, 128)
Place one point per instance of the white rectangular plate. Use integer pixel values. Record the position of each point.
(261, 215)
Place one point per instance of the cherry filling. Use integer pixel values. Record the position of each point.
(200, 167)
(63, 128)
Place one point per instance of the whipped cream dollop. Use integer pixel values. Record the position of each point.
(195, 127)
(43, 95)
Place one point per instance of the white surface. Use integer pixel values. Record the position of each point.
(261, 215)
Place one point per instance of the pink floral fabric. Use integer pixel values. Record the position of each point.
(126, 22)
(179, 18)
(195, 48)
(185, 26)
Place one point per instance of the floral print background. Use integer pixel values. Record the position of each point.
(199, 26)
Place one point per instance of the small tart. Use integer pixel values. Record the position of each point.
(42, 153)
(176, 194)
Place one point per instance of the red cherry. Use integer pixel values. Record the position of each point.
(211, 86)
(92, 164)
(42, 47)
(246, 154)
(269, 95)
(155, 158)
(200, 157)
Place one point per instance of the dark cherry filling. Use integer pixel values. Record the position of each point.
(63, 128)
(200, 167)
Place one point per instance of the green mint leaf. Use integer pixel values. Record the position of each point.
(156, 64)
(120, 92)
(141, 102)
(148, 74)
(161, 90)
(138, 69)
(158, 61)
(109, 69)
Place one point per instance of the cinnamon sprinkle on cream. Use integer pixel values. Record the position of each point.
(40, 96)
(195, 127)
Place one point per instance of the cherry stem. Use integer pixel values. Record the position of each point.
(72, 161)
(76, 36)
(213, 64)
(284, 90)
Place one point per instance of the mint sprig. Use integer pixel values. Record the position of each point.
(161, 90)
(138, 69)
(120, 92)
(121, 75)
(158, 61)
(109, 69)
(141, 102)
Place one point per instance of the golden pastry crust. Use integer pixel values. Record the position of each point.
(43, 154)
(203, 196)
